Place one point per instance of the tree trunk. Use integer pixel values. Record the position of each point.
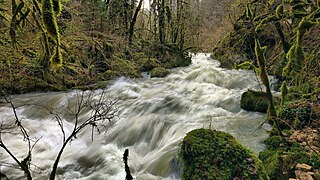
(161, 12)
(133, 21)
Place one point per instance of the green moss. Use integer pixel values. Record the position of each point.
(49, 19)
(273, 142)
(284, 92)
(56, 58)
(159, 72)
(288, 67)
(147, 64)
(281, 156)
(120, 66)
(57, 6)
(247, 65)
(300, 116)
(254, 101)
(279, 11)
(50, 22)
(208, 154)
(271, 161)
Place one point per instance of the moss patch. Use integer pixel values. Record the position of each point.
(254, 101)
(209, 154)
(281, 156)
(159, 72)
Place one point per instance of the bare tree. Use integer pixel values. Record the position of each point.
(25, 163)
(101, 112)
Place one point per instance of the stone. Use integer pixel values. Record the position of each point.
(304, 167)
(305, 176)
(298, 173)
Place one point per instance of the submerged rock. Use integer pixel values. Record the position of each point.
(254, 101)
(208, 154)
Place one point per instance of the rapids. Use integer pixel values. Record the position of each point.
(155, 114)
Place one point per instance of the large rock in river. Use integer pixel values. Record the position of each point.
(254, 101)
(208, 154)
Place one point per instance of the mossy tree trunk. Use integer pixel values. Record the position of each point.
(133, 21)
(261, 60)
(49, 18)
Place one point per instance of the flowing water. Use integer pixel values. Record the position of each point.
(155, 114)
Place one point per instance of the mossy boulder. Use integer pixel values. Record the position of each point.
(209, 154)
(159, 72)
(254, 101)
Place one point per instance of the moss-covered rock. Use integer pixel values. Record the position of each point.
(254, 101)
(159, 72)
(208, 154)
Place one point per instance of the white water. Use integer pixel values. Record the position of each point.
(155, 115)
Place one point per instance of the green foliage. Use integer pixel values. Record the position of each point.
(288, 67)
(56, 58)
(281, 156)
(272, 163)
(297, 117)
(123, 67)
(147, 64)
(18, 17)
(284, 92)
(2, 17)
(273, 142)
(208, 154)
(247, 65)
(279, 11)
(305, 25)
(249, 12)
(264, 21)
(102, 25)
(260, 51)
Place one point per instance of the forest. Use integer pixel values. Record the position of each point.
(65, 45)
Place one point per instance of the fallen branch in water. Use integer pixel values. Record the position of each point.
(127, 169)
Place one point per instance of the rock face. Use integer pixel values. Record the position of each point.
(254, 101)
(208, 154)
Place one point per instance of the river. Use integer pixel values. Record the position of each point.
(154, 116)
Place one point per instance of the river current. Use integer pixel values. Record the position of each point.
(154, 115)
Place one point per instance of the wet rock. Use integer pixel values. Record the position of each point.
(305, 176)
(298, 173)
(254, 101)
(304, 167)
